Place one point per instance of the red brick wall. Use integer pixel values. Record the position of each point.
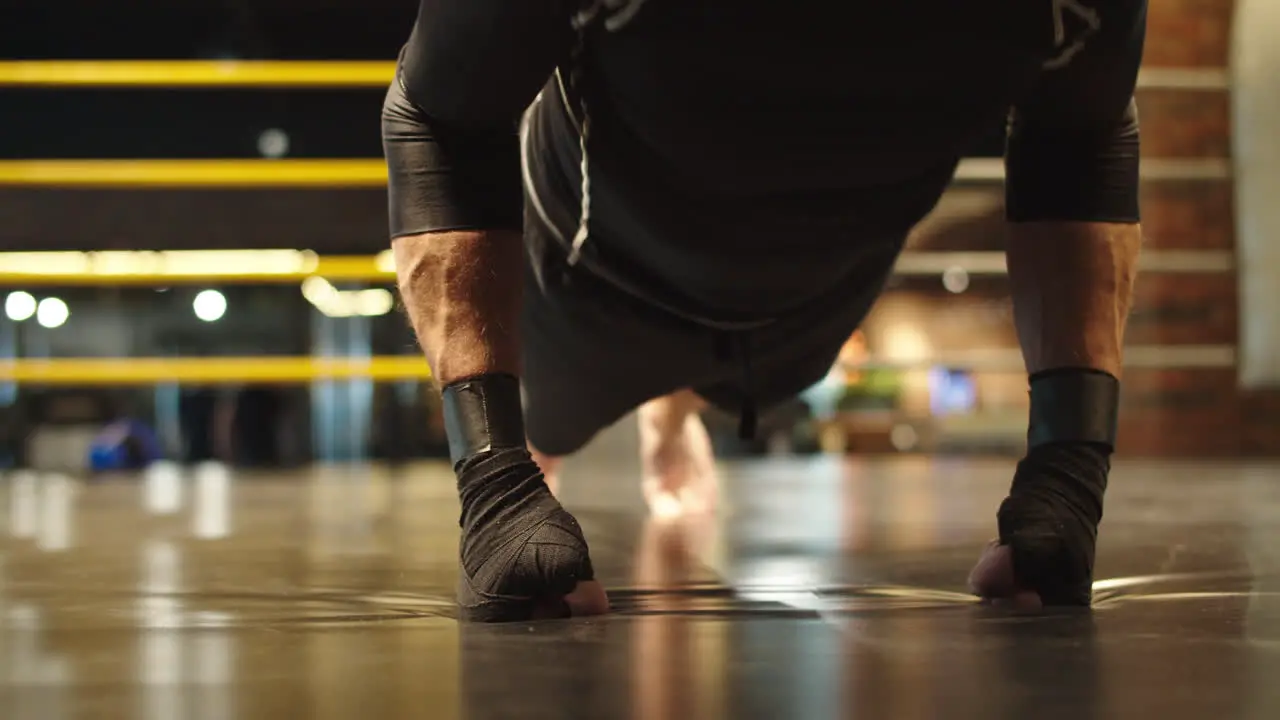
(1189, 33)
(1192, 407)
(1188, 215)
(1185, 123)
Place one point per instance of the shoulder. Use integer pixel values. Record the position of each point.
(1079, 25)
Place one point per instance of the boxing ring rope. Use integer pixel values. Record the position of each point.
(257, 173)
(349, 74)
(196, 73)
(212, 370)
(372, 172)
(142, 371)
(169, 267)
(286, 267)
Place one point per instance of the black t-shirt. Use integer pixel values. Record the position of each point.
(743, 157)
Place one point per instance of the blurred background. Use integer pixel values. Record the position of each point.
(193, 266)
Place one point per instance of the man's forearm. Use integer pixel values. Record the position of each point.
(522, 555)
(1072, 286)
(463, 293)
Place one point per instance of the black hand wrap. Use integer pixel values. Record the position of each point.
(1050, 519)
(520, 549)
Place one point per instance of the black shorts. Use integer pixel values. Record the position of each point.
(593, 353)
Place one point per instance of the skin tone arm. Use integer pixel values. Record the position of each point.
(463, 293)
(470, 68)
(1072, 286)
(1072, 177)
(1072, 289)
(1073, 148)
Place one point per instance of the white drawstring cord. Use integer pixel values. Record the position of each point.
(584, 217)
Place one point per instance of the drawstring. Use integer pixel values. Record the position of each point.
(581, 22)
(584, 218)
(613, 15)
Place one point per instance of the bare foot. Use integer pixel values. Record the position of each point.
(678, 470)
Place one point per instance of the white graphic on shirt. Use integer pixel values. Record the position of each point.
(616, 13)
(1074, 23)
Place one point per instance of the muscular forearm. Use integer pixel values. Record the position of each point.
(523, 556)
(462, 291)
(1072, 288)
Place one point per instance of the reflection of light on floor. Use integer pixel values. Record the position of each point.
(212, 655)
(854, 502)
(57, 495)
(333, 505)
(678, 667)
(160, 659)
(23, 513)
(162, 485)
(179, 652)
(797, 599)
(1138, 581)
(1262, 617)
(912, 501)
(161, 568)
(793, 528)
(36, 680)
(1184, 596)
(160, 617)
(211, 511)
(346, 502)
(40, 508)
(181, 649)
(772, 574)
(159, 612)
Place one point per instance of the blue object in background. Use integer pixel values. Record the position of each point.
(952, 392)
(124, 445)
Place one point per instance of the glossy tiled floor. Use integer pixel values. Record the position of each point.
(829, 589)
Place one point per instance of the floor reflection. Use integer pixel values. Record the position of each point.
(827, 588)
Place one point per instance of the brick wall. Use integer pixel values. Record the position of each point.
(1184, 409)
(1183, 398)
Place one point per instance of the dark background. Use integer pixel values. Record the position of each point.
(199, 124)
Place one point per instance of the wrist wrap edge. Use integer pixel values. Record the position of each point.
(1074, 405)
(481, 414)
